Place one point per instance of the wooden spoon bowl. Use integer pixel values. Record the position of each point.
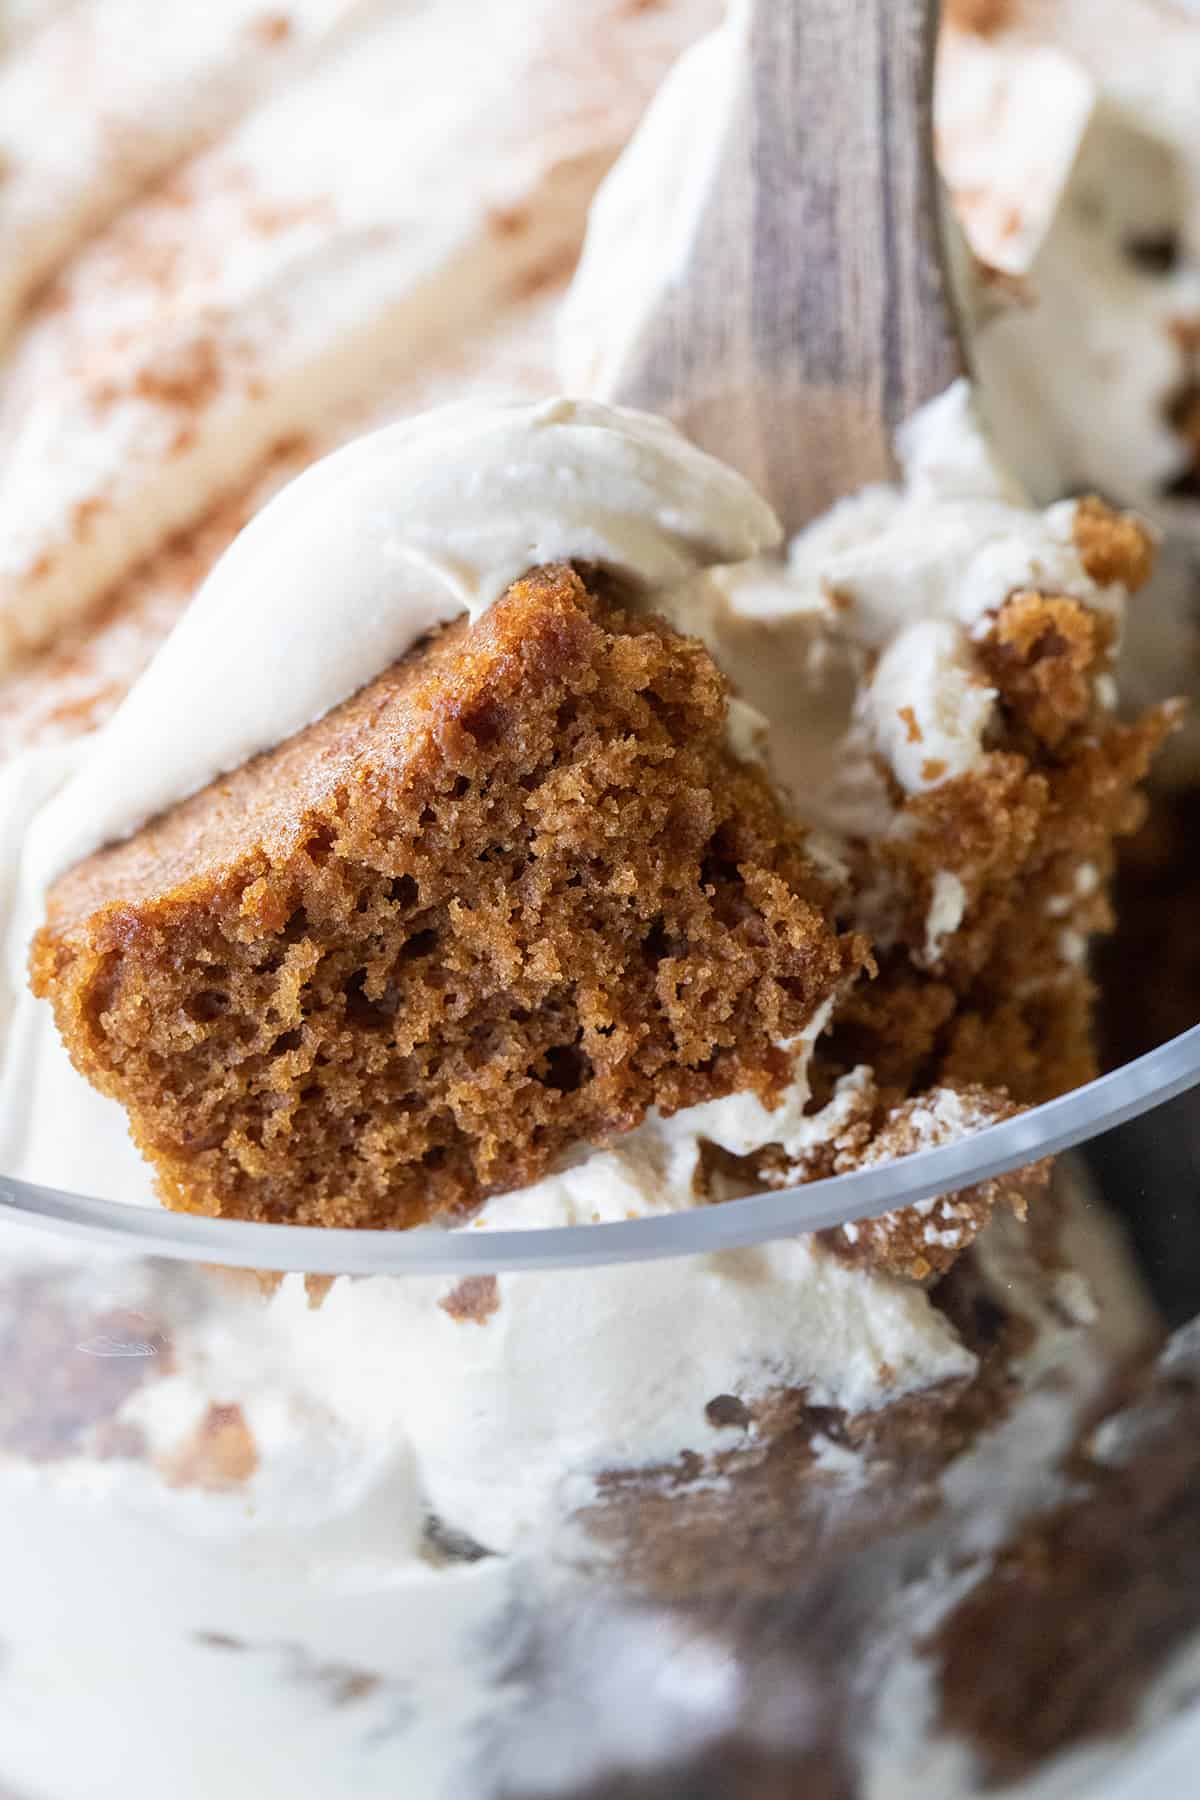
(811, 313)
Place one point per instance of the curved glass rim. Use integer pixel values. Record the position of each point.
(1150, 1080)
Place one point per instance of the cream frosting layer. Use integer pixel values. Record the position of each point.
(1070, 141)
(374, 203)
(370, 549)
(642, 222)
(859, 647)
(132, 88)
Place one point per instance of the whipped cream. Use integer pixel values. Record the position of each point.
(643, 220)
(1071, 147)
(371, 548)
(914, 575)
(639, 1352)
(1070, 162)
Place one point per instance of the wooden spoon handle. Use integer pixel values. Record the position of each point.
(811, 314)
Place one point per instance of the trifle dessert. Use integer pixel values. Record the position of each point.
(709, 1423)
(510, 834)
(532, 886)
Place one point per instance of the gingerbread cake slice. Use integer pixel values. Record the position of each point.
(509, 896)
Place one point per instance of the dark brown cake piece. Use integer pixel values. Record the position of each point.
(509, 896)
(1030, 832)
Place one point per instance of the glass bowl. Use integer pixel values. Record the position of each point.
(455, 1514)
(1149, 1081)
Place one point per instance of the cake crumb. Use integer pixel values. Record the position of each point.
(391, 902)
(1112, 546)
(476, 1298)
(316, 1290)
(925, 1239)
(912, 729)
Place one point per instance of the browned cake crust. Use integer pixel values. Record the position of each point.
(510, 895)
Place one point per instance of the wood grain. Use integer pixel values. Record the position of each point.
(811, 314)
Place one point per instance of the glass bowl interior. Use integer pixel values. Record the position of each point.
(1075, 1118)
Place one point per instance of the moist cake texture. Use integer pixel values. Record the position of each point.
(1029, 832)
(509, 896)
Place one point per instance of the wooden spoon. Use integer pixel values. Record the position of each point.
(811, 314)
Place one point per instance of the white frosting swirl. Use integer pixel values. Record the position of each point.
(372, 547)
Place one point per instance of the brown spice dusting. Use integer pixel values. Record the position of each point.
(912, 730)
(75, 683)
(220, 1454)
(84, 515)
(932, 769)
(508, 221)
(187, 374)
(543, 275)
(269, 219)
(509, 896)
(271, 28)
(475, 1298)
